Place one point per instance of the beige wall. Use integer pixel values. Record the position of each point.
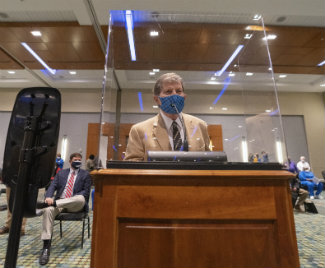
(310, 105)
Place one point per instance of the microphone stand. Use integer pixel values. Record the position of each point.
(185, 143)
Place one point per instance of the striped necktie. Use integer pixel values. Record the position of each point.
(69, 187)
(176, 137)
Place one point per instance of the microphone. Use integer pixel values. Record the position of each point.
(185, 143)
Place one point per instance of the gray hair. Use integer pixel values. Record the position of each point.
(168, 77)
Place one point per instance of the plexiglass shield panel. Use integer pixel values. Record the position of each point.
(227, 78)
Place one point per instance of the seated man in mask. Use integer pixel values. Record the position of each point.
(72, 187)
(170, 129)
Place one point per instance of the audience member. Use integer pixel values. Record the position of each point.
(298, 193)
(292, 167)
(308, 179)
(256, 158)
(295, 186)
(6, 228)
(265, 157)
(90, 163)
(167, 130)
(303, 164)
(59, 161)
(72, 187)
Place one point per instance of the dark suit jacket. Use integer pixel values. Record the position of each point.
(81, 186)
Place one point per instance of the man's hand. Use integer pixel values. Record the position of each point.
(49, 201)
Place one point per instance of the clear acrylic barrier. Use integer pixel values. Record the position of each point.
(228, 81)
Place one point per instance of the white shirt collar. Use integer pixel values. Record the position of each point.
(168, 121)
(75, 171)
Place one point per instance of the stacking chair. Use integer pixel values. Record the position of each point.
(74, 216)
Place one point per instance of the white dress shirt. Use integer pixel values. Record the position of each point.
(168, 124)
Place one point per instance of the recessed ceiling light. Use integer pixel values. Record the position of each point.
(155, 70)
(240, 126)
(154, 33)
(155, 106)
(322, 85)
(211, 108)
(11, 72)
(152, 73)
(270, 37)
(282, 76)
(257, 17)
(213, 78)
(36, 33)
(270, 69)
(72, 72)
(231, 74)
(249, 74)
(248, 36)
(267, 111)
(226, 139)
(224, 108)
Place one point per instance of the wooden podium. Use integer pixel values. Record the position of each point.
(193, 218)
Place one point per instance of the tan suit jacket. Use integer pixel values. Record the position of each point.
(152, 135)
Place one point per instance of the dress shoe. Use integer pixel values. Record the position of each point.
(4, 230)
(45, 256)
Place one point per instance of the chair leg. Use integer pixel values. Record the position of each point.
(83, 231)
(60, 229)
(88, 227)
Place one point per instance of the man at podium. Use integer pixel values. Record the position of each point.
(170, 129)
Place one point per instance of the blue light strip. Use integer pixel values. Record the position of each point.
(140, 101)
(52, 71)
(233, 56)
(321, 63)
(227, 82)
(129, 29)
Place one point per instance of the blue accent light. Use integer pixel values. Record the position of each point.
(140, 101)
(28, 48)
(193, 132)
(234, 138)
(129, 29)
(227, 82)
(233, 56)
(275, 112)
(321, 63)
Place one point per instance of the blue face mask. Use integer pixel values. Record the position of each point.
(169, 103)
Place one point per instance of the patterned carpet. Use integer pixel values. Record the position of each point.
(67, 252)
